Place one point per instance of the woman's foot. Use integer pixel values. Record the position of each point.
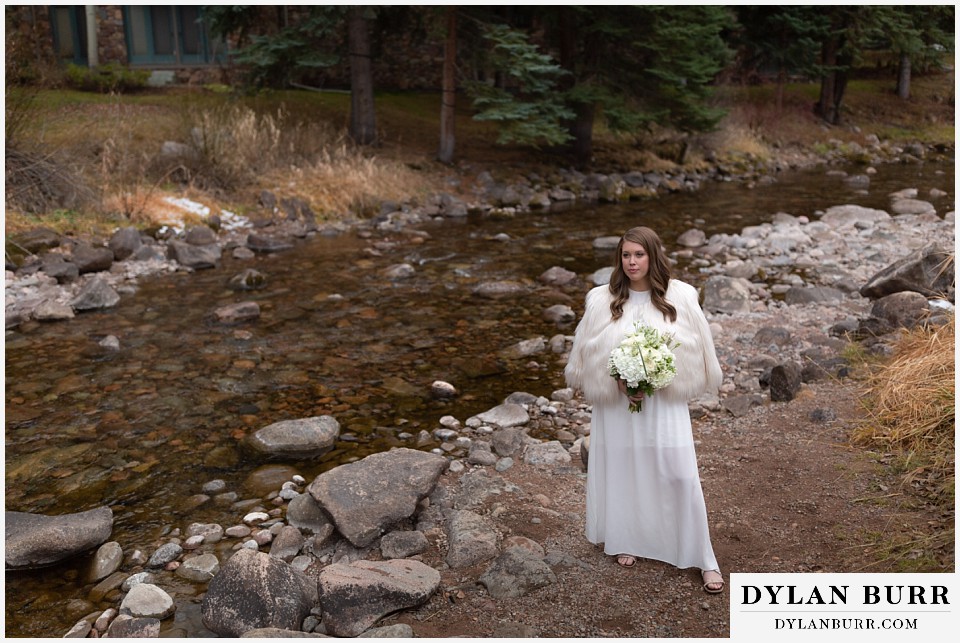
(626, 560)
(712, 581)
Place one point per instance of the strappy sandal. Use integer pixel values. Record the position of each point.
(626, 560)
(707, 584)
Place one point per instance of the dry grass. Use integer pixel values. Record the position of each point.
(910, 405)
(343, 179)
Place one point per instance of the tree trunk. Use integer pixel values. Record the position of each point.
(828, 58)
(449, 95)
(581, 128)
(363, 121)
(903, 77)
(582, 131)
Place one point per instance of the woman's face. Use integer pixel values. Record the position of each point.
(636, 265)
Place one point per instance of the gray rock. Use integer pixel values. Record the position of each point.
(249, 279)
(507, 442)
(90, 259)
(471, 539)
(136, 579)
(166, 553)
(776, 335)
(36, 540)
(443, 390)
(813, 295)
(525, 348)
(516, 572)
(200, 569)
(912, 206)
(107, 585)
(355, 596)
(196, 257)
(236, 313)
(840, 216)
(211, 532)
(785, 381)
(106, 561)
(129, 627)
(929, 271)
(558, 276)
(55, 265)
(550, 454)
(499, 289)
(366, 496)
(50, 310)
(723, 294)
(559, 314)
(124, 242)
(287, 544)
(479, 485)
(740, 405)
(399, 271)
(95, 294)
(403, 544)
(480, 454)
(200, 235)
(606, 243)
(254, 590)
(147, 601)
(397, 631)
(80, 630)
(904, 309)
(303, 438)
(303, 512)
(277, 633)
(37, 239)
(692, 238)
(505, 415)
(266, 244)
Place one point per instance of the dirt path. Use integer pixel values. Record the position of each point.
(785, 493)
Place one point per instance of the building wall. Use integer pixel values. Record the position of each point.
(404, 61)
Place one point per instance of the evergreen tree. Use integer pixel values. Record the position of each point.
(917, 35)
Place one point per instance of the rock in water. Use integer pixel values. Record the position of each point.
(35, 540)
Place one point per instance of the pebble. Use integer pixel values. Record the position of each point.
(255, 517)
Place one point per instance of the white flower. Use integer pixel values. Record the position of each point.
(645, 361)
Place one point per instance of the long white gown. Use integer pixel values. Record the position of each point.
(643, 487)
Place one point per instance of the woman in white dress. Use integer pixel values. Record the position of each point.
(643, 487)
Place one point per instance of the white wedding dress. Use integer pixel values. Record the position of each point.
(643, 487)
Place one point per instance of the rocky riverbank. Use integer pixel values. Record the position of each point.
(487, 523)
(52, 277)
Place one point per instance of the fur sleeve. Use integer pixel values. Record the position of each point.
(698, 369)
(587, 368)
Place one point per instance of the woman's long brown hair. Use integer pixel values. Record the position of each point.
(659, 273)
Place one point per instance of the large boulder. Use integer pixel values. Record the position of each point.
(354, 597)
(304, 438)
(367, 496)
(255, 590)
(95, 294)
(841, 216)
(929, 271)
(191, 256)
(726, 295)
(91, 259)
(125, 242)
(36, 540)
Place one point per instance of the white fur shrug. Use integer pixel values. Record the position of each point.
(698, 370)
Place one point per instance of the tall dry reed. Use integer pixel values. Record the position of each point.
(910, 404)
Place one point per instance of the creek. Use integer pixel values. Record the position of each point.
(143, 428)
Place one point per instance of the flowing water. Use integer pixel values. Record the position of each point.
(141, 429)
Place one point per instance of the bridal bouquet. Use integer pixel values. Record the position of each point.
(645, 361)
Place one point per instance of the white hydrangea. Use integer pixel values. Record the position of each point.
(644, 360)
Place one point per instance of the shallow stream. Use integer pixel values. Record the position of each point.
(143, 428)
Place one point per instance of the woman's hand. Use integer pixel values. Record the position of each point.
(634, 399)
